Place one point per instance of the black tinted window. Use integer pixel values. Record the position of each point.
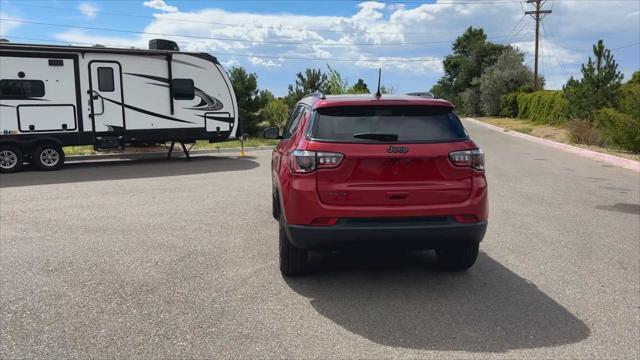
(293, 122)
(21, 88)
(407, 123)
(183, 89)
(105, 79)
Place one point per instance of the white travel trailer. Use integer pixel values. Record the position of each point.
(54, 96)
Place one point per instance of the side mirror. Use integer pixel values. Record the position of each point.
(271, 133)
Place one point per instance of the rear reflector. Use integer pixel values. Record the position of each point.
(465, 219)
(324, 221)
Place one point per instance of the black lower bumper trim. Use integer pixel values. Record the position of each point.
(414, 235)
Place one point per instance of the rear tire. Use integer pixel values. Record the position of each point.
(293, 260)
(275, 206)
(48, 157)
(11, 159)
(459, 257)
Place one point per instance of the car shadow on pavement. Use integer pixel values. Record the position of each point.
(128, 169)
(405, 301)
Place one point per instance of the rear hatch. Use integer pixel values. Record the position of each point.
(393, 155)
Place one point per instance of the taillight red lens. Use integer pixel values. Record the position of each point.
(303, 161)
(469, 158)
(307, 161)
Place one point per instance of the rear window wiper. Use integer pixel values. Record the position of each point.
(377, 136)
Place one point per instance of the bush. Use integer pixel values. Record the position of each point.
(509, 105)
(583, 131)
(629, 102)
(546, 107)
(619, 128)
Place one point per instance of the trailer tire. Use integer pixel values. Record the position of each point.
(48, 157)
(11, 158)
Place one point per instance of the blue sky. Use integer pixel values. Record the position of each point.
(276, 39)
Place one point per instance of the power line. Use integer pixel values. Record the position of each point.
(554, 47)
(171, 17)
(419, 2)
(626, 46)
(283, 57)
(519, 32)
(230, 39)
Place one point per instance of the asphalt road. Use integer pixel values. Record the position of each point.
(176, 259)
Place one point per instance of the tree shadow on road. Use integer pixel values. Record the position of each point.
(404, 301)
(134, 169)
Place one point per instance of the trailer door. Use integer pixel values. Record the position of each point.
(107, 104)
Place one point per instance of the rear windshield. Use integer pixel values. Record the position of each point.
(387, 124)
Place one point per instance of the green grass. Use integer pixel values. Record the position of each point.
(200, 145)
(525, 130)
(78, 150)
(251, 142)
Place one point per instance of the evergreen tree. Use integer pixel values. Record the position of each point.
(598, 87)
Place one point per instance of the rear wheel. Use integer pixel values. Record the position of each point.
(11, 159)
(293, 260)
(459, 257)
(48, 157)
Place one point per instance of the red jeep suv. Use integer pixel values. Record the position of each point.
(364, 171)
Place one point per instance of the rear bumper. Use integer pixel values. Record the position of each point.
(427, 234)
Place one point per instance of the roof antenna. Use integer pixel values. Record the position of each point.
(378, 94)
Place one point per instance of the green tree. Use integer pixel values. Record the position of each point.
(471, 55)
(629, 99)
(276, 112)
(598, 87)
(507, 75)
(360, 87)
(387, 89)
(310, 81)
(245, 87)
(635, 79)
(335, 84)
(470, 99)
(621, 126)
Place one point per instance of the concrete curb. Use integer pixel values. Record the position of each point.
(609, 159)
(157, 154)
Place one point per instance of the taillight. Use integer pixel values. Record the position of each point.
(328, 160)
(469, 158)
(308, 161)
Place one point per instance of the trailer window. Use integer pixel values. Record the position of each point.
(19, 89)
(183, 89)
(105, 79)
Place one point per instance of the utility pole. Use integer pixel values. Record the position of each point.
(537, 15)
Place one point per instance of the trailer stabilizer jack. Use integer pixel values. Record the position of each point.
(184, 148)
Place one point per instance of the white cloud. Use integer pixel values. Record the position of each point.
(7, 26)
(568, 34)
(263, 62)
(75, 37)
(88, 9)
(552, 50)
(160, 5)
(419, 65)
(230, 63)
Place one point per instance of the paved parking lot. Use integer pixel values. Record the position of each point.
(176, 259)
